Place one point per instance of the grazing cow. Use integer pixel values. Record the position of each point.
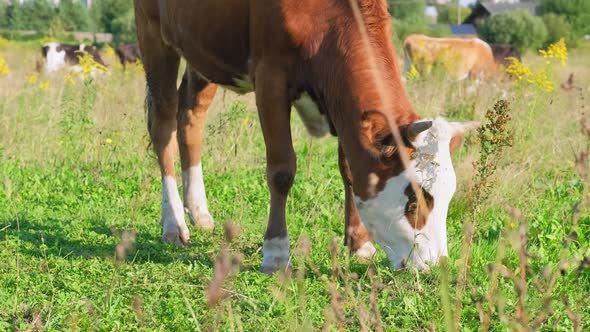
(57, 55)
(309, 54)
(128, 53)
(503, 51)
(462, 58)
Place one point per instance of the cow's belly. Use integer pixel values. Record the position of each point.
(212, 35)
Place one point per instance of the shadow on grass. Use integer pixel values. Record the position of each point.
(60, 238)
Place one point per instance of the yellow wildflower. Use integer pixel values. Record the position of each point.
(69, 77)
(32, 79)
(108, 141)
(542, 80)
(88, 65)
(109, 51)
(44, 85)
(517, 69)
(3, 67)
(556, 50)
(413, 73)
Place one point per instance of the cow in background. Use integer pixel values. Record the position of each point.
(58, 55)
(503, 51)
(128, 53)
(462, 58)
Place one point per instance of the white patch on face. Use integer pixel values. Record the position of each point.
(195, 198)
(172, 218)
(384, 214)
(54, 59)
(315, 122)
(275, 255)
(241, 85)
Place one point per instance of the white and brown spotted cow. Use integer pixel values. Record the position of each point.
(58, 55)
(461, 57)
(309, 54)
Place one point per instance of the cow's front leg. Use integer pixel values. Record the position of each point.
(274, 111)
(356, 236)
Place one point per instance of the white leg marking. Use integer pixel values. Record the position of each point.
(275, 255)
(315, 122)
(367, 250)
(172, 220)
(195, 199)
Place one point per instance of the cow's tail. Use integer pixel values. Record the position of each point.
(407, 57)
(149, 113)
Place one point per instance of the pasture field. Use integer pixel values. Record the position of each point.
(80, 244)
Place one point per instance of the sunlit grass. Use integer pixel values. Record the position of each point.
(79, 186)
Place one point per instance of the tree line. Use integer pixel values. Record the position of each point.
(111, 16)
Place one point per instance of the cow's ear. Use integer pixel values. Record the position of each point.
(376, 134)
(458, 129)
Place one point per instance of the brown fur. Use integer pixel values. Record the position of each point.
(128, 53)
(417, 216)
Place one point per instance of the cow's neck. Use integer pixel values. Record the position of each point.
(348, 87)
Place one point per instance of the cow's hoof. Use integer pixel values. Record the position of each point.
(201, 220)
(366, 251)
(273, 268)
(177, 237)
(275, 255)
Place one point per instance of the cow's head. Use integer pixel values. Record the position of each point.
(409, 226)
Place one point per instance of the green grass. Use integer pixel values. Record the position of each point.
(76, 172)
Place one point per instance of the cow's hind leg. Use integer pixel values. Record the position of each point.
(195, 96)
(274, 110)
(356, 236)
(161, 68)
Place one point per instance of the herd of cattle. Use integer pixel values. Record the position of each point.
(322, 67)
(59, 55)
(461, 57)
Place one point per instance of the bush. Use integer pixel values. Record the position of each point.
(517, 27)
(73, 15)
(577, 12)
(116, 17)
(408, 10)
(557, 28)
(30, 15)
(123, 28)
(447, 14)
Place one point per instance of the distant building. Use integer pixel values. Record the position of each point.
(486, 9)
(463, 30)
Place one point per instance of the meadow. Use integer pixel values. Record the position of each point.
(80, 245)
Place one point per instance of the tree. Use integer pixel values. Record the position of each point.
(105, 12)
(407, 10)
(577, 12)
(517, 27)
(123, 28)
(447, 14)
(557, 28)
(30, 15)
(73, 15)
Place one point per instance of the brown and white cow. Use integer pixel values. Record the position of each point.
(309, 54)
(58, 55)
(462, 58)
(128, 53)
(502, 52)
